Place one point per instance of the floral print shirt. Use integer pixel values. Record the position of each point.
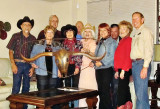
(73, 45)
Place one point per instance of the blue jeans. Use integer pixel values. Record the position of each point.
(141, 85)
(23, 71)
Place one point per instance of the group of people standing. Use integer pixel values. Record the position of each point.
(126, 57)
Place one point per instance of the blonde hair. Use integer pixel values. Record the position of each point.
(92, 29)
(127, 24)
(48, 27)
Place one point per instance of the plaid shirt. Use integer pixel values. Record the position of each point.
(19, 43)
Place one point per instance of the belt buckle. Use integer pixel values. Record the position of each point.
(19, 60)
(138, 59)
(133, 60)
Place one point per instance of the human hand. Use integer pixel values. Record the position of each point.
(14, 68)
(91, 64)
(31, 71)
(122, 74)
(76, 71)
(59, 74)
(143, 73)
(116, 75)
(98, 63)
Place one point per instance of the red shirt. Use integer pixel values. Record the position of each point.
(122, 58)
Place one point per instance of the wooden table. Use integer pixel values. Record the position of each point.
(47, 98)
(154, 88)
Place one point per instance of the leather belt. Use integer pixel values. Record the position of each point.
(19, 60)
(133, 60)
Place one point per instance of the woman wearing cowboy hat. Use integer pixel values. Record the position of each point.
(71, 44)
(87, 76)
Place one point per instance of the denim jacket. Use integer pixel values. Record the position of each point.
(109, 45)
(41, 62)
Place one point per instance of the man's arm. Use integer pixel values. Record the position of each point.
(148, 53)
(13, 65)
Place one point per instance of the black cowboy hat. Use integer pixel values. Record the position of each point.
(64, 29)
(25, 19)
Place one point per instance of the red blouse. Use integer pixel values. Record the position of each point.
(73, 45)
(122, 58)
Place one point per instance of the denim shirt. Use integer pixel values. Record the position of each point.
(109, 45)
(41, 62)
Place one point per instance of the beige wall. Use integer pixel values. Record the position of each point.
(13, 10)
(68, 12)
(122, 10)
(64, 12)
(39, 10)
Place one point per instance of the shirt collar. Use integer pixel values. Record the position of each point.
(139, 30)
(45, 43)
(118, 39)
(23, 35)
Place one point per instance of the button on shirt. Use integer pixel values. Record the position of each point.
(142, 45)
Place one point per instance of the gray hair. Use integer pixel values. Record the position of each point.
(52, 17)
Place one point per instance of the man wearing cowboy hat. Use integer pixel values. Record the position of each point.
(21, 42)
